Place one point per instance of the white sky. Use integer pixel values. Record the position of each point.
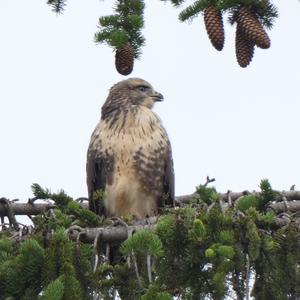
(237, 125)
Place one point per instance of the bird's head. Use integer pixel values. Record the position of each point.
(134, 91)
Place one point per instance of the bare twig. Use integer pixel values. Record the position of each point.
(247, 277)
(95, 254)
(149, 268)
(10, 213)
(81, 199)
(211, 206)
(136, 270)
(107, 251)
(229, 198)
(208, 180)
(32, 200)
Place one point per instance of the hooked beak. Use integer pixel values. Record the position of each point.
(157, 96)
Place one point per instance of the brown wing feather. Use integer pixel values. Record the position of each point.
(96, 180)
(155, 169)
(99, 169)
(168, 179)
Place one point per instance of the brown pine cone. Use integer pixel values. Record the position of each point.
(124, 59)
(244, 48)
(214, 27)
(252, 28)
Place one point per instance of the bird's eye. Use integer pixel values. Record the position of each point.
(142, 88)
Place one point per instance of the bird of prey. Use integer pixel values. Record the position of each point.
(129, 157)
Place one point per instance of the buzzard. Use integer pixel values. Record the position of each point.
(129, 157)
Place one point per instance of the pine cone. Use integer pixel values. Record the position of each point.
(252, 28)
(124, 59)
(214, 27)
(244, 48)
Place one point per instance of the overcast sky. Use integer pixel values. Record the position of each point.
(237, 125)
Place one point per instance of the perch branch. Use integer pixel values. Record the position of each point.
(229, 197)
(119, 233)
(108, 234)
(25, 208)
(233, 196)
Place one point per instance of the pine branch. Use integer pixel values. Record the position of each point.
(175, 2)
(193, 10)
(57, 5)
(124, 26)
(118, 234)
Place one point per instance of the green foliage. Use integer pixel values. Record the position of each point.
(124, 26)
(210, 253)
(85, 216)
(54, 290)
(193, 10)
(265, 10)
(5, 245)
(245, 202)
(5, 250)
(61, 199)
(207, 194)
(153, 294)
(253, 239)
(61, 219)
(175, 2)
(192, 252)
(143, 242)
(60, 262)
(267, 194)
(198, 231)
(31, 259)
(28, 263)
(72, 289)
(57, 5)
(227, 237)
(68, 209)
(226, 251)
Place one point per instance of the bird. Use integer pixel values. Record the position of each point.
(129, 157)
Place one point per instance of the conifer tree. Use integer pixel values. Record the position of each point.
(208, 247)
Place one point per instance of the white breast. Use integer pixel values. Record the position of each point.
(126, 195)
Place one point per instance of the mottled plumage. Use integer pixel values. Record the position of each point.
(129, 156)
